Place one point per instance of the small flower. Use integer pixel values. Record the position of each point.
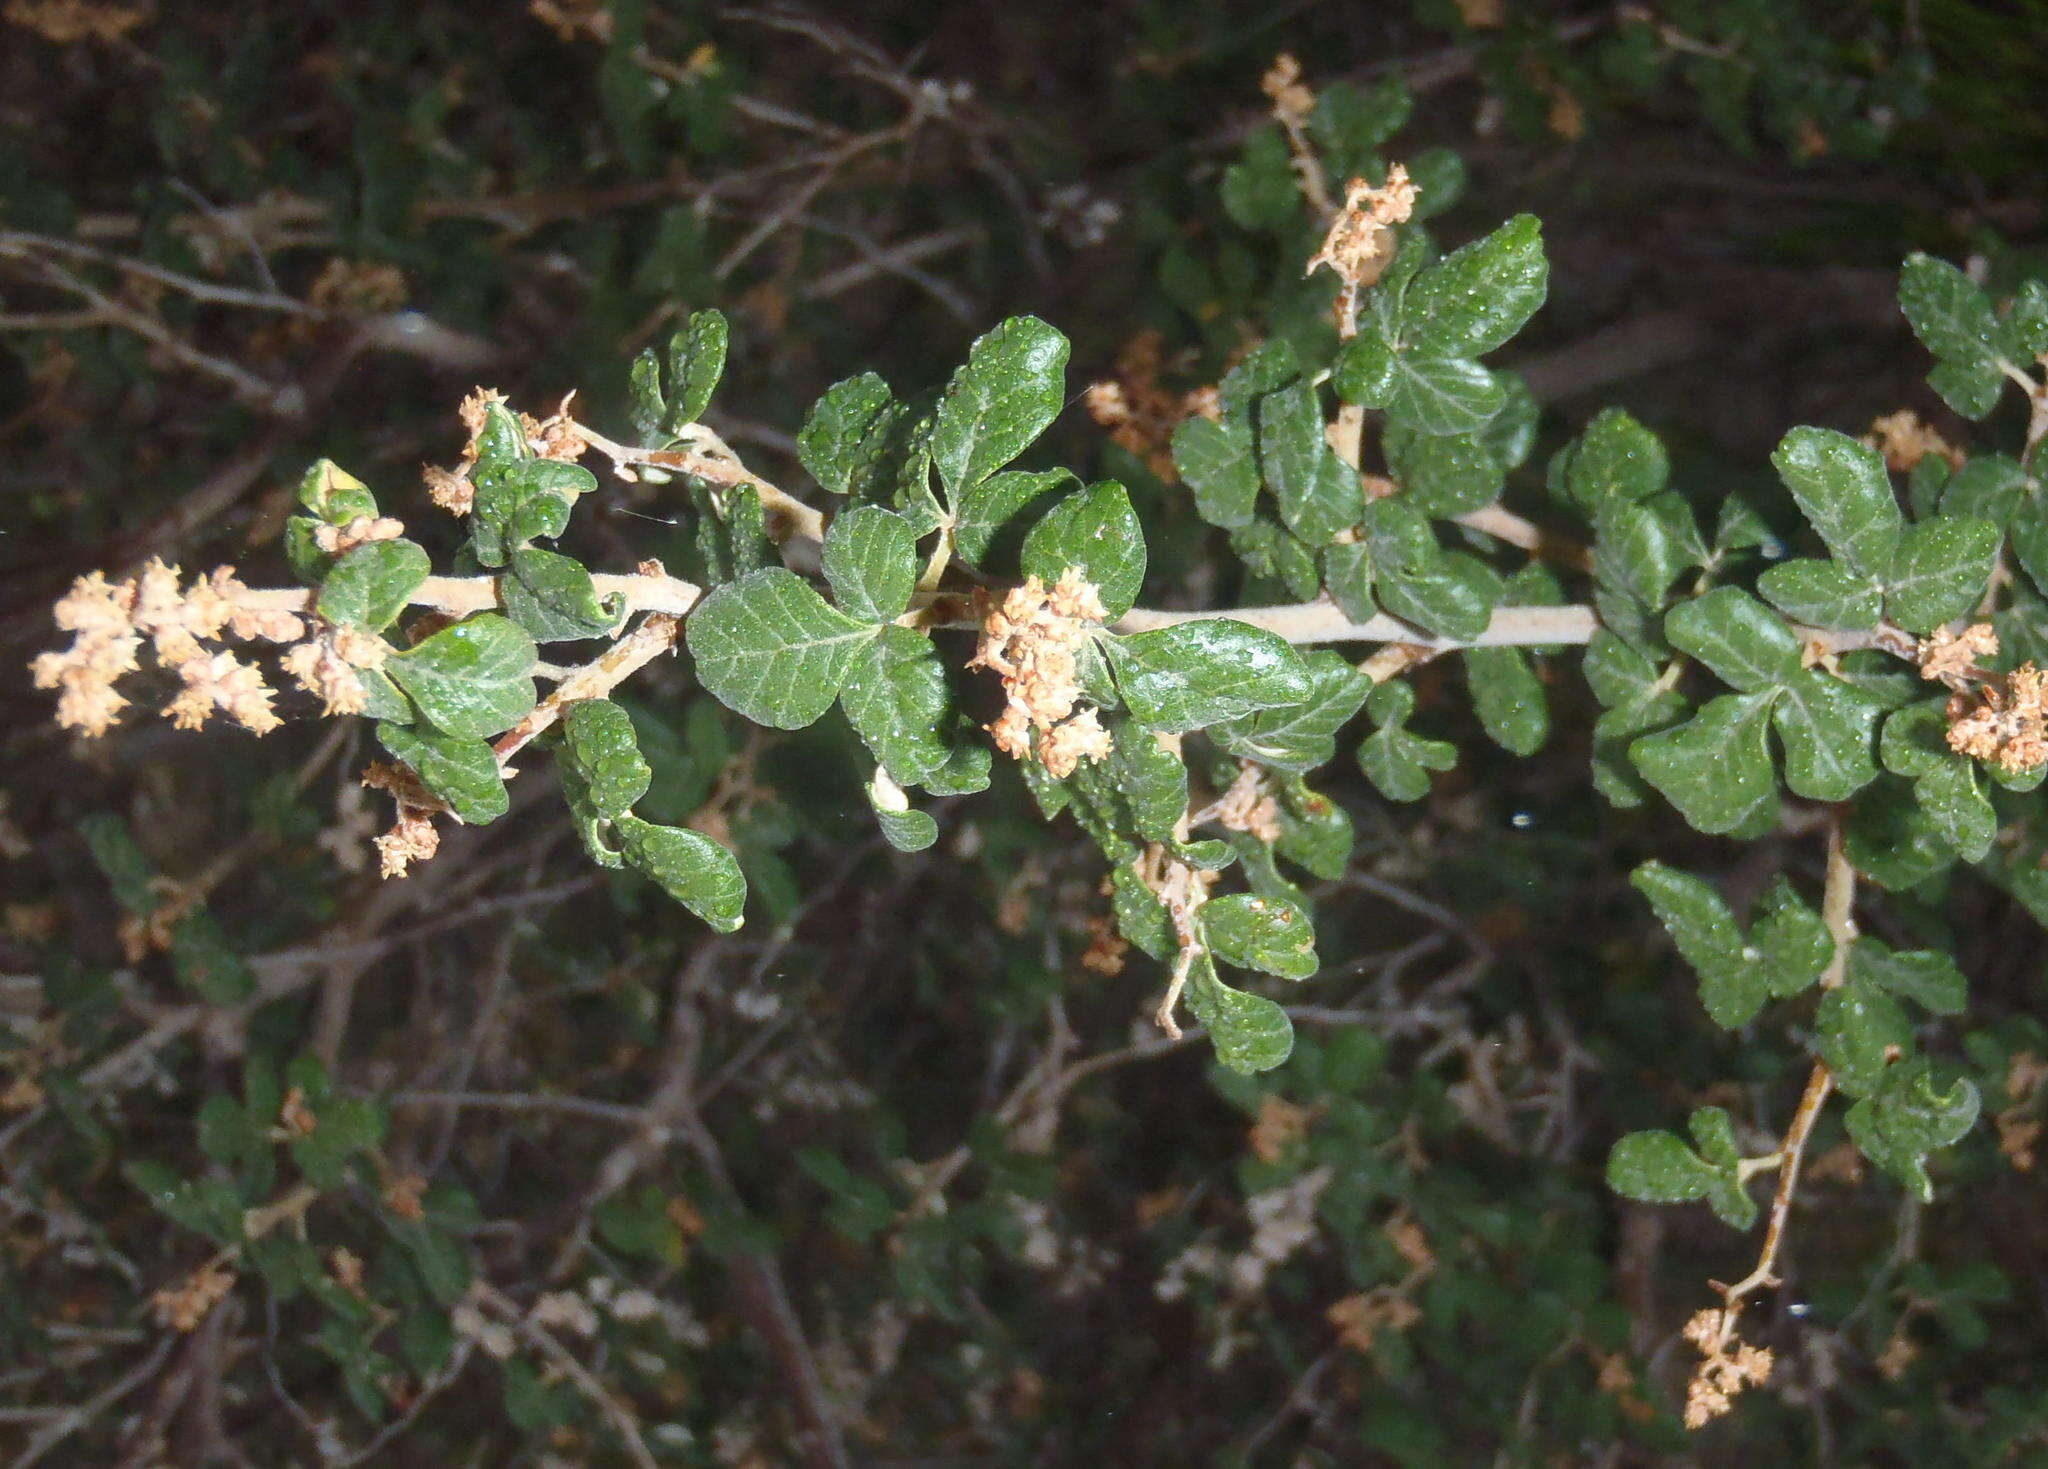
(1952, 658)
(1291, 97)
(337, 539)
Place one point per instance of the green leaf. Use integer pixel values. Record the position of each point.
(1791, 942)
(1480, 295)
(870, 558)
(1266, 367)
(1736, 636)
(1928, 978)
(1715, 768)
(1990, 487)
(1315, 832)
(1634, 551)
(1318, 493)
(600, 746)
(462, 772)
(903, 827)
(1950, 314)
(1442, 476)
(1940, 571)
(846, 435)
(1393, 759)
(895, 696)
(1971, 388)
(1829, 728)
(519, 500)
(1250, 1032)
(1616, 458)
(554, 599)
(1732, 987)
(696, 360)
(1823, 594)
(1347, 573)
(1657, 1168)
(1217, 462)
(1417, 581)
(1961, 813)
(1350, 121)
(471, 680)
(1259, 190)
(369, 586)
(1266, 934)
(1443, 395)
(1202, 672)
(1907, 1118)
(769, 647)
(1010, 390)
(1300, 737)
(1842, 489)
(1508, 697)
(691, 868)
(986, 506)
(1096, 531)
(334, 495)
(1860, 1029)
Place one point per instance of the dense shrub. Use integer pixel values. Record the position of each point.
(834, 899)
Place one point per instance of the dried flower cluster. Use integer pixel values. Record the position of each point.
(1951, 657)
(1360, 242)
(1905, 438)
(2006, 724)
(1728, 1366)
(109, 622)
(184, 1305)
(1292, 98)
(1248, 806)
(1033, 641)
(1139, 412)
(413, 836)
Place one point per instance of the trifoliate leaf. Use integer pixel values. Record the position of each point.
(1394, 759)
(770, 648)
